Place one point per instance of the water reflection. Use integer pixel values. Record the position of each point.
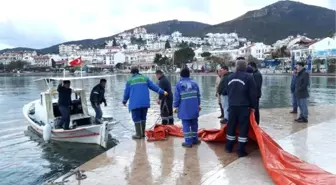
(140, 166)
(167, 159)
(191, 168)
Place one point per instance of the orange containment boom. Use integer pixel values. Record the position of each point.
(283, 167)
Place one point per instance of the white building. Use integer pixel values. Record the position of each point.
(41, 61)
(155, 45)
(176, 34)
(113, 58)
(68, 49)
(259, 49)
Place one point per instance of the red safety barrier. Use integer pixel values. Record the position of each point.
(283, 167)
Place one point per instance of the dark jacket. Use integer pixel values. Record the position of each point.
(64, 96)
(222, 87)
(242, 90)
(258, 80)
(97, 94)
(301, 84)
(166, 86)
(292, 86)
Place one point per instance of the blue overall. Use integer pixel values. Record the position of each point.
(137, 93)
(187, 101)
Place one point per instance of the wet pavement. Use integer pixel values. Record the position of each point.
(166, 162)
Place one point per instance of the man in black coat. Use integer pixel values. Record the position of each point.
(258, 80)
(166, 102)
(97, 97)
(301, 92)
(64, 103)
(242, 94)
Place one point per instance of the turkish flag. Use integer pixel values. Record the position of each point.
(77, 62)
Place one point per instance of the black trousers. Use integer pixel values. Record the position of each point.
(238, 116)
(221, 108)
(167, 112)
(256, 112)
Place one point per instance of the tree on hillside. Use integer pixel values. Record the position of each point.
(205, 54)
(119, 66)
(281, 52)
(207, 43)
(125, 46)
(114, 44)
(167, 45)
(183, 56)
(16, 65)
(191, 44)
(138, 41)
(159, 60)
(183, 44)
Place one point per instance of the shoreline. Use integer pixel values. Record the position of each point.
(193, 74)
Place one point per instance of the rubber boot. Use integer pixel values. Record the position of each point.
(137, 131)
(186, 145)
(241, 149)
(229, 146)
(143, 129)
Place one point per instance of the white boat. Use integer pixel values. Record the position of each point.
(43, 115)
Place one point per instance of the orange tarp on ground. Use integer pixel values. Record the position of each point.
(283, 167)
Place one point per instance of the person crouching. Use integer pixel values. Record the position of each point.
(187, 103)
(242, 94)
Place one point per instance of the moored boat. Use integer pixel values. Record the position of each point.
(43, 116)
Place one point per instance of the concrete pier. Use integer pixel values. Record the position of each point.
(166, 162)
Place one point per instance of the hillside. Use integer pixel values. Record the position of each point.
(165, 27)
(279, 20)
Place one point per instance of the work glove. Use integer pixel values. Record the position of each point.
(199, 108)
(175, 110)
(158, 102)
(165, 93)
(105, 104)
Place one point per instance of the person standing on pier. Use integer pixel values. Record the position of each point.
(97, 97)
(301, 92)
(136, 91)
(242, 93)
(218, 79)
(292, 86)
(166, 103)
(258, 80)
(222, 90)
(187, 104)
(64, 103)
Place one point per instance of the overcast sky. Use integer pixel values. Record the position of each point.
(42, 23)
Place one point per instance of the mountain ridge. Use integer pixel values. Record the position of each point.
(163, 27)
(279, 20)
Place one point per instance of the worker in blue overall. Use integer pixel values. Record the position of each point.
(243, 95)
(187, 103)
(137, 93)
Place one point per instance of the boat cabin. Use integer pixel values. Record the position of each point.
(48, 110)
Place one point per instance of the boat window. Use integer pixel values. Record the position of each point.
(41, 100)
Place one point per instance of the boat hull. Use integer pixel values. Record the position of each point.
(93, 134)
